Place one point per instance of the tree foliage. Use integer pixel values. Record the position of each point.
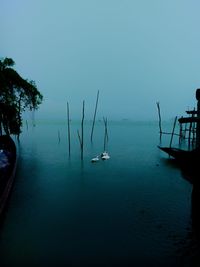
(16, 95)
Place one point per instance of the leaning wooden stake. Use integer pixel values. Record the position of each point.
(68, 127)
(173, 131)
(160, 121)
(95, 112)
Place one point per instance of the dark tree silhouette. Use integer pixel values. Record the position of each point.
(16, 95)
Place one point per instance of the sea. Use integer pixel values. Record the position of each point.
(134, 209)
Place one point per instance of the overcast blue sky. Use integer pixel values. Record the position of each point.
(136, 52)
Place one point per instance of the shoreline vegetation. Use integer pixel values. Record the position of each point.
(17, 95)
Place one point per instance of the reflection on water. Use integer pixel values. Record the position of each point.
(195, 211)
(192, 252)
(132, 210)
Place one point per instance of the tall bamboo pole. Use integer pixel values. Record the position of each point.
(159, 116)
(82, 129)
(95, 111)
(68, 127)
(107, 129)
(105, 133)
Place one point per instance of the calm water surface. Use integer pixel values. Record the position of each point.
(132, 210)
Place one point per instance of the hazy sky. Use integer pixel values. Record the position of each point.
(136, 52)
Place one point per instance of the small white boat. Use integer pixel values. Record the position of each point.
(96, 159)
(105, 156)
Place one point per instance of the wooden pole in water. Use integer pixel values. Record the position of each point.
(68, 127)
(107, 129)
(173, 131)
(159, 116)
(105, 133)
(83, 116)
(95, 112)
(82, 129)
(160, 121)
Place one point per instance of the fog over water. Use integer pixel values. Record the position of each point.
(135, 52)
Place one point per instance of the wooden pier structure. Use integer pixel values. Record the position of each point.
(189, 126)
(191, 131)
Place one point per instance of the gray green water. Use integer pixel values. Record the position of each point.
(132, 210)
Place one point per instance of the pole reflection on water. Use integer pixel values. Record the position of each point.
(191, 253)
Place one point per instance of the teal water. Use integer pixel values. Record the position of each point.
(132, 210)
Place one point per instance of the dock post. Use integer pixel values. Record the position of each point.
(180, 133)
(190, 132)
(170, 145)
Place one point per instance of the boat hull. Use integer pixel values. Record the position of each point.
(8, 170)
(184, 157)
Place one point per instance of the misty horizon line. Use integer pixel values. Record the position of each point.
(75, 119)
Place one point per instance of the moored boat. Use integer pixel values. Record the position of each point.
(8, 161)
(188, 158)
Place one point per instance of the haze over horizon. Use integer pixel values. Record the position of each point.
(135, 52)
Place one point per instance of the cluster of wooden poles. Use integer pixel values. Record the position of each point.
(81, 132)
